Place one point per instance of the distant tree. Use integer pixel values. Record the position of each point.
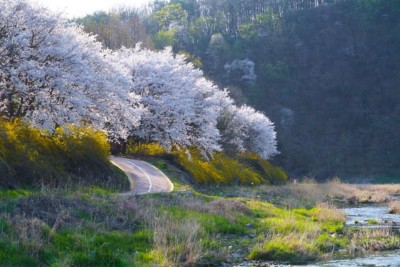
(118, 27)
(241, 71)
(169, 15)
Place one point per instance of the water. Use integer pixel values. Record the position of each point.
(389, 259)
(359, 216)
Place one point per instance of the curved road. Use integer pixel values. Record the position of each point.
(144, 177)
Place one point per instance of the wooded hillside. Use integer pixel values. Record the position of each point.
(325, 71)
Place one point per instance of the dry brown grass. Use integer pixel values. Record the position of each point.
(178, 241)
(394, 207)
(326, 212)
(222, 207)
(31, 233)
(373, 240)
(308, 192)
(335, 189)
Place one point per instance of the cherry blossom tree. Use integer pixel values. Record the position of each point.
(185, 109)
(52, 73)
(259, 134)
(179, 101)
(244, 129)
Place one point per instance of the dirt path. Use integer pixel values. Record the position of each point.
(144, 177)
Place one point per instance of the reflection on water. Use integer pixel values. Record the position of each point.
(391, 259)
(361, 215)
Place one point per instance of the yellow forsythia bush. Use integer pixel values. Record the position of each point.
(31, 156)
(248, 168)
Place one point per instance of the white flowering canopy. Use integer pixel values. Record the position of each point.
(245, 67)
(52, 73)
(179, 101)
(258, 132)
(244, 129)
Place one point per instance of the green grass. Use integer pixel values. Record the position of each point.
(115, 248)
(101, 228)
(372, 222)
(13, 194)
(13, 255)
(214, 224)
(179, 179)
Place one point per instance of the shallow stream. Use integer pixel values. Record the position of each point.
(372, 216)
(369, 217)
(383, 259)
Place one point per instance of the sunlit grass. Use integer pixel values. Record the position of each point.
(93, 226)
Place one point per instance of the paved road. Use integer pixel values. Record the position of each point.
(144, 177)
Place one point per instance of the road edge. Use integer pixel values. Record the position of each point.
(130, 178)
(171, 185)
(132, 181)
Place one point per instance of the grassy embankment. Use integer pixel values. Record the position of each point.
(96, 228)
(93, 226)
(70, 157)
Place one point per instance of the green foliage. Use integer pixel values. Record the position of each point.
(165, 38)
(299, 235)
(173, 229)
(169, 14)
(29, 156)
(327, 242)
(248, 32)
(372, 222)
(196, 61)
(276, 73)
(4, 226)
(83, 147)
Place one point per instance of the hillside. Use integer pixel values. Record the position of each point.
(325, 72)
